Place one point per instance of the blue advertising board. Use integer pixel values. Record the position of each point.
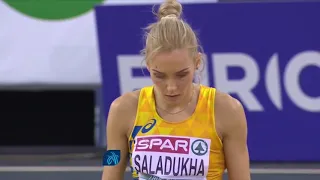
(267, 55)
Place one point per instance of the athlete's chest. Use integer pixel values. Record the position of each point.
(171, 157)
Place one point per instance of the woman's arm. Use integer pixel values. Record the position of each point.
(234, 133)
(121, 113)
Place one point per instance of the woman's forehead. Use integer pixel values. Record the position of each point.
(174, 58)
(171, 70)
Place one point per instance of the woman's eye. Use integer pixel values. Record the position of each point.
(158, 76)
(182, 75)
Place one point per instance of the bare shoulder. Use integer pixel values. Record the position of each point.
(126, 102)
(229, 112)
(123, 109)
(227, 103)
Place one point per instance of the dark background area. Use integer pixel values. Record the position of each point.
(47, 118)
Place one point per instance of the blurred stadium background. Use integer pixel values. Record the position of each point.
(52, 120)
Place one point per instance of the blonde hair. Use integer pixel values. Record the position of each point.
(169, 32)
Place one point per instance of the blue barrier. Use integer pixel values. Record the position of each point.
(267, 55)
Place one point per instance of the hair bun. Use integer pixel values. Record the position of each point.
(170, 8)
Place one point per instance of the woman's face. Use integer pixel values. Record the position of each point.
(172, 74)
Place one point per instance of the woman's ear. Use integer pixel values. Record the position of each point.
(198, 60)
(148, 65)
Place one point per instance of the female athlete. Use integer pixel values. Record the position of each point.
(176, 129)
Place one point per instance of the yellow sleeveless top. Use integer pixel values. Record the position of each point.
(190, 149)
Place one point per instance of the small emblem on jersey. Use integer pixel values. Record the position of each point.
(199, 147)
(111, 157)
(146, 128)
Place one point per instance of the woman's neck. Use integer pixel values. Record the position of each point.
(175, 108)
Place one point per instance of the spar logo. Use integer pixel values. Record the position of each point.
(199, 147)
(163, 144)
